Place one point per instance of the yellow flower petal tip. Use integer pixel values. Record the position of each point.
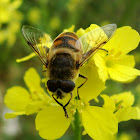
(14, 114)
(32, 79)
(71, 29)
(26, 58)
(127, 113)
(51, 122)
(17, 98)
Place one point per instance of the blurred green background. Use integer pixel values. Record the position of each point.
(52, 16)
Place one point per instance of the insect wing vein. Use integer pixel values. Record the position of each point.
(38, 41)
(95, 39)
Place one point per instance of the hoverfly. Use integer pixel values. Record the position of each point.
(66, 55)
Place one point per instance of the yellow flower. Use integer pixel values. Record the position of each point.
(11, 17)
(121, 105)
(51, 116)
(118, 64)
(26, 102)
(51, 121)
(34, 16)
(55, 23)
(98, 122)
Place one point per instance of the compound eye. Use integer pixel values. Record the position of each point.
(52, 85)
(67, 86)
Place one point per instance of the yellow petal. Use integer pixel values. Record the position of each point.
(107, 137)
(32, 79)
(93, 87)
(127, 113)
(125, 40)
(34, 107)
(14, 114)
(109, 103)
(125, 98)
(127, 60)
(26, 58)
(99, 122)
(71, 29)
(17, 98)
(51, 122)
(80, 32)
(91, 27)
(138, 110)
(110, 137)
(16, 4)
(122, 73)
(101, 64)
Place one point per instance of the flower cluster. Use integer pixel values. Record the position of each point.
(10, 19)
(100, 123)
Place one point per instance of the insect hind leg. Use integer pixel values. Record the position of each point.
(64, 106)
(81, 85)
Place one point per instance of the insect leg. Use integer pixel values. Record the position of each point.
(81, 85)
(44, 71)
(104, 50)
(64, 107)
(69, 100)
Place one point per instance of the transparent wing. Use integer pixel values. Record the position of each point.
(39, 42)
(93, 40)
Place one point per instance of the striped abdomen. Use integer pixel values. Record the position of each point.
(67, 40)
(64, 56)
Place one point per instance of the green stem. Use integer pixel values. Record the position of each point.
(77, 126)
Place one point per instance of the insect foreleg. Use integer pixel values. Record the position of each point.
(81, 85)
(64, 106)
